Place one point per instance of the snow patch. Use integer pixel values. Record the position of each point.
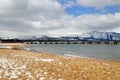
(44, 60)
(41, 78)
(5, 47)
(47, 60)
(23, 66)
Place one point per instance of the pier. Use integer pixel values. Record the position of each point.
(60, 42)
(73, 42)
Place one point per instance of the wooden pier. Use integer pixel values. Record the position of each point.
(73, 42)
(60, 42)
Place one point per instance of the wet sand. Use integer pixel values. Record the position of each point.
(18, 64)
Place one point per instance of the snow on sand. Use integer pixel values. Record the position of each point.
(26, 65)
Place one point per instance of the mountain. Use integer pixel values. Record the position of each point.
(32, 37)
(105, 36)
(95, 36)
(89, 36)
(71, 37)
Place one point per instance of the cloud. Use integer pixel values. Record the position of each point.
(100, 22)
(49, 17)
(98, 3)
(67, 3)
(70, 24)
(19, 15)
(33, 9)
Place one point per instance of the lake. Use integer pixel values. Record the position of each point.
(99, 51)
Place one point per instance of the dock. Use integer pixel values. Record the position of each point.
(60, 42)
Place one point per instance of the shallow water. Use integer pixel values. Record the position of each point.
(99, 51)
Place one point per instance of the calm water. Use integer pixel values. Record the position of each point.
(100, 51)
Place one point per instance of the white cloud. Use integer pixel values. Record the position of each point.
(49, 17)
(32, 9)
(19, 15)
(98, 3)
(70, 24)
(46, 8)
(5, 4)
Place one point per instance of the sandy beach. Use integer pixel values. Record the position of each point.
(11, 45)
(16, 64)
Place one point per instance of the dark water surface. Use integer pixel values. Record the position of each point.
(99, 51)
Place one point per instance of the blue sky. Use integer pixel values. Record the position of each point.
(78, 10)
(58, 17)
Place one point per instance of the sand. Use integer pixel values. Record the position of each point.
(27, 65)
(12, 45)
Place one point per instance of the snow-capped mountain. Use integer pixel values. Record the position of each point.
(32, 37)
(71, 37)
(92, 36)
(95, 35)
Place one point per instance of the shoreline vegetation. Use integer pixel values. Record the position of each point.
(19, 64)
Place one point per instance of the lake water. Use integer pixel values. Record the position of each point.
(99, 51)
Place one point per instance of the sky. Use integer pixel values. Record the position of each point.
(58, 17)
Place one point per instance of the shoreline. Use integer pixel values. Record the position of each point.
(21, 46)
(25, 64)
(11, 45)
(69, 55)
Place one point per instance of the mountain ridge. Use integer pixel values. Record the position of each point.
(96, 35)
(90, 36)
